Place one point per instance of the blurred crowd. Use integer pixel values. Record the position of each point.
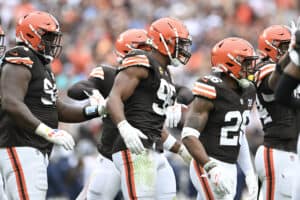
(90, 28)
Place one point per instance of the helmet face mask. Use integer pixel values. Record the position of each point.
(183, 52)
(248, 68)
(51, 41)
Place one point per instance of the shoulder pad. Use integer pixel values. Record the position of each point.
(19, 55)
(97, 73)
(264, 71)
(135, 58)
(203, 89)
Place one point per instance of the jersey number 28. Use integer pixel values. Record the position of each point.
(241, 121)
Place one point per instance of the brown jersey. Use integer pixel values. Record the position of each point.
(145, 108)
(279, 122)
(40, 99)
(227, 120)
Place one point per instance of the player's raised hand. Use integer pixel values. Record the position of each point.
(294, 26)
(294, 48)
(132, 137)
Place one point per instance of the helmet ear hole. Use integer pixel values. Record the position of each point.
(229, 64)
(29, 35)
(267, 49)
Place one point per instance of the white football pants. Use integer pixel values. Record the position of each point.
(296, 186)
(146, 176)
(276, 171)
(24, 171)
(206, 190)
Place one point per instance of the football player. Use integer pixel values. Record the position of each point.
(141, 92)
(2, 51)
(284, 94)
(30, 109)
(101, 80)
(214, 131)
(276, 158)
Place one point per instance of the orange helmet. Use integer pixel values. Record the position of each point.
(2, 45)
(41, 32)
(235, 56)
(274, 41)
(131, 39)
(171, 37)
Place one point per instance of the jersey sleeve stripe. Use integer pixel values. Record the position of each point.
(19, 60)
(204, 90)
(136, 60)
(199, 92)
(97, 73)
(264, 71)
(205, 86)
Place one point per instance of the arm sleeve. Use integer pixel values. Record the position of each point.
(244, 158)
(285, 90)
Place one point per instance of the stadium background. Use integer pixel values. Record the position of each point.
(90, 28)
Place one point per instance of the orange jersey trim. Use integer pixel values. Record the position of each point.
(201, 89)
(135, 60)
(97, 73)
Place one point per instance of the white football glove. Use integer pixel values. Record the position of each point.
(294, 26)
(96, 99)
(251, 182)
(184, 154)
(56, 136)
(218, 178)
(294, 46)
(132, 137)
(173, 115)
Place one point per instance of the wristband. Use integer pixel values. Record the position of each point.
(169, 142)
(43, 130)
(187, 131)
(122, 123)
(90, 112)
(209, 165)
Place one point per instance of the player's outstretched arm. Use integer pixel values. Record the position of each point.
(124, 85)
